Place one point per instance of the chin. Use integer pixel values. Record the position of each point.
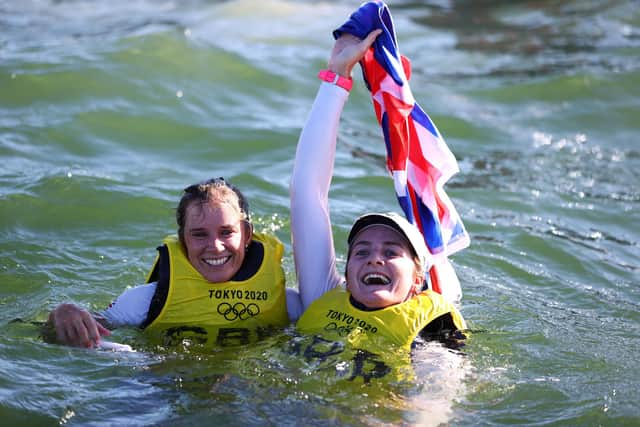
(375, 303)
(218, 277)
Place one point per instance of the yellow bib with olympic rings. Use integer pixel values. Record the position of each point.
(226, 313)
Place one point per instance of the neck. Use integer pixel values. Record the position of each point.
(359, 305)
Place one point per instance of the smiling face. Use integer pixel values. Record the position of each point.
(381, 270)
(215, 238)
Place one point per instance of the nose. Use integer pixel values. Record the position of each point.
(216, 244)
(375, 258)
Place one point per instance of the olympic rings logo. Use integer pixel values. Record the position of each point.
(343, 331)
(238, 311)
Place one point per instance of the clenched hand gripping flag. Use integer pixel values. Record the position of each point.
(417, 157)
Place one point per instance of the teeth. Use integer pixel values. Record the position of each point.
(217, 261)
(376, 279)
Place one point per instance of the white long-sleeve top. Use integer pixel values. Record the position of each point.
(311, 233)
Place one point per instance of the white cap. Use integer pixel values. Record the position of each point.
(398, 223)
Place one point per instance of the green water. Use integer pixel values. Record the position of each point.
(109, 109)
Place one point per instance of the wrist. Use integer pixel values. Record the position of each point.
(336, 79)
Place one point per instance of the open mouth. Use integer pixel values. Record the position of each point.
(376, 279)
(216, 262)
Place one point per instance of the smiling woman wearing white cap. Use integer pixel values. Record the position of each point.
(386, 262)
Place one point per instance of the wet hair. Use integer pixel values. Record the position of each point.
(214, 189)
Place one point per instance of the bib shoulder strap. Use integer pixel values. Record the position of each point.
(161, 276)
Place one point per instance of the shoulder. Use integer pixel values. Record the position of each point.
(270, 243)
(446, 324)
(269, 240)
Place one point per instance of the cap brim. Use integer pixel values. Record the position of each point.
(398, 223)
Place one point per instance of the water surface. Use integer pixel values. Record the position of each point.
(107, 110)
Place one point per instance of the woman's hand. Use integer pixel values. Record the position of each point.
(348, 50)
(76, 327)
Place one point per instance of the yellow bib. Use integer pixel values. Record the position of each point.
(333, 317)
(227, 313)
(367, 345)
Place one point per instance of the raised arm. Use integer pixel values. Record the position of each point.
(312, 237)
(312, 240)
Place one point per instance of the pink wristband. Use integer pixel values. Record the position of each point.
(336, 79)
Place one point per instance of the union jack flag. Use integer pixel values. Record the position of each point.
(418, 158)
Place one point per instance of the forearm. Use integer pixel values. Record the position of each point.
(130, 308)
(312, 237)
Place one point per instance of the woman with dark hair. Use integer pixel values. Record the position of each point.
(216, 282)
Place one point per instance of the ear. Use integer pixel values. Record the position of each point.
(417, 284)
(249, 232)
(346, 280)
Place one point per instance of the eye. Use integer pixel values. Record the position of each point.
(391, 253)
(361, 253)
(199, 234)
(227, 232)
